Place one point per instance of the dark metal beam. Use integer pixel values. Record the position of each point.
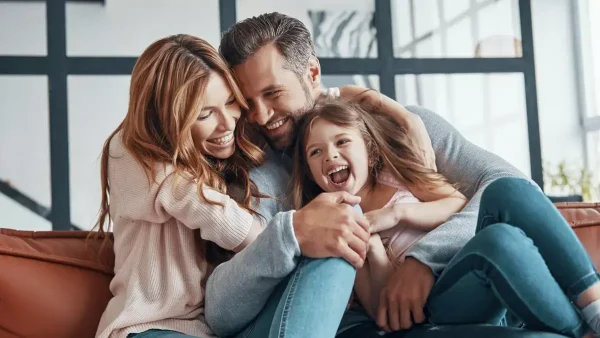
(385, 47)
(28, 202)
(23, 65)
(59, 130)
(331, 66)
(24, 200)
(100, 65)
(340, 66)
(349, 66)
(533, 124)
(227, 14)
(457, 65)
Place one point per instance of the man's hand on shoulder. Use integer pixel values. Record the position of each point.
(329, 227)
(412, 122)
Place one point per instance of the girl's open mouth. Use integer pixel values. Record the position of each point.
(339, 175)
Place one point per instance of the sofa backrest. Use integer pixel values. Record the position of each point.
(52, 283)
(584, 218)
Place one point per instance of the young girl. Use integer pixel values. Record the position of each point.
(524, 257)
(166, 172)
(342, 147)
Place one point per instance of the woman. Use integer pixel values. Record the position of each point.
(176, 187)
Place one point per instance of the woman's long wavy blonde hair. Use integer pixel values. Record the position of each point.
(388, 144)
(168, 85)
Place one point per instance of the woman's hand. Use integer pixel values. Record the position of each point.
(383, 219)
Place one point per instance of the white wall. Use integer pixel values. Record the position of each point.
(124, 27)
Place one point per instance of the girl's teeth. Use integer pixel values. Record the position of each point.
(276, 124)
(222, 140)
(337, 169)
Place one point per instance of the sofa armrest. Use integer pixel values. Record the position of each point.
(584, 218)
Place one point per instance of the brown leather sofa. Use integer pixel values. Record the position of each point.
(55, 284)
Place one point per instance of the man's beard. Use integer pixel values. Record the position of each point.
(295, 117)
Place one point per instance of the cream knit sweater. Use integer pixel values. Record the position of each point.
(157, 283)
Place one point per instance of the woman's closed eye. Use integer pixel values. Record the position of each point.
(205, 116)
(230, 102)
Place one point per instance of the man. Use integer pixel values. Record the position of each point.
(273, 58)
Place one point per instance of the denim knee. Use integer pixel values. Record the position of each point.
(499, 189)
(499, 243)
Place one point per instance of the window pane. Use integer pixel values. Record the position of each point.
(488, 109)
(368, 81)
(339, 28)
(595, 29)
(23, 28)
(456, 28)
(24, 149)
(569, 177)
(590, 44)
(593, 148)
(101, 102)
(126, 28)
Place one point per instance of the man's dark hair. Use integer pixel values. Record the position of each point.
(290, 35)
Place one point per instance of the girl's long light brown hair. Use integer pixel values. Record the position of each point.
(168, 84)
(389, 146)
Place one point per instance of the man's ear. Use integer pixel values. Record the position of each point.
(314, 72)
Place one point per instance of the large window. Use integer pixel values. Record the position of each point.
(588, 17)
(471, 61)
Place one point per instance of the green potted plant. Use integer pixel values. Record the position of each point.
(567, 183)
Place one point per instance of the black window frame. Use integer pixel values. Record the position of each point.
(56, 65)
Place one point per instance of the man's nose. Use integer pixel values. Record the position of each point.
(260, 114)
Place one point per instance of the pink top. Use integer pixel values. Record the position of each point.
(399, 238)
(158, 270)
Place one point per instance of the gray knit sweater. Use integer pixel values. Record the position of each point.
(238, 289)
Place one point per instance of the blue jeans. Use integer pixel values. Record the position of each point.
(524, 258)
(311, 300)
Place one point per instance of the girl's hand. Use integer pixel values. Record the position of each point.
(375, 245)
(383, 219)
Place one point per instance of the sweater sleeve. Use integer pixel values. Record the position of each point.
(473, 169)
(219, 218)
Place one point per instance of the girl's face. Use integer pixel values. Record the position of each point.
(213, 131)
(337, 157)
